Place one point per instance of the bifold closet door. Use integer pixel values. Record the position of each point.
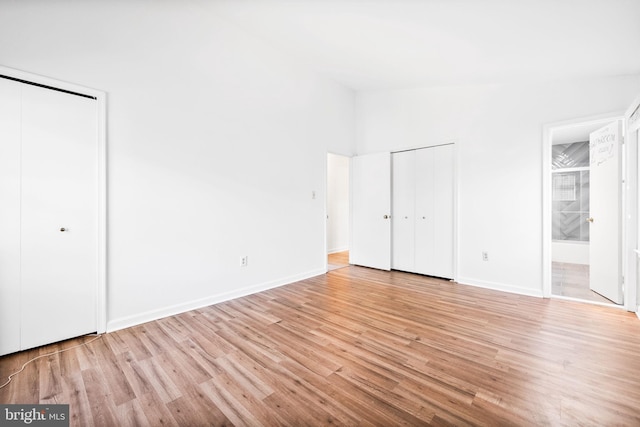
(59, 229)
(403, 188)
(48, 216)
(434, 211)
(9, 216)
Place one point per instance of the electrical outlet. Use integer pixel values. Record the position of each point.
(485, 256)
(244, 261)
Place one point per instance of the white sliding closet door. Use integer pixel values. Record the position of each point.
(403, 171)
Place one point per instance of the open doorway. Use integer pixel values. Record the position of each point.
(338, 172)
(585, 202)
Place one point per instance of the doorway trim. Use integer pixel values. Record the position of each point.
(627, 212)
(326, 204)
(100, 97)
(632, 124)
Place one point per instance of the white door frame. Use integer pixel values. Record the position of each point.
(326, 203)
(100, 96)
(632, 125)
(629, 212)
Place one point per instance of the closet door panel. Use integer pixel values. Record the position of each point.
(59, 216)
(443, 211)
(9, 216)
(403, 213)
(425, 220)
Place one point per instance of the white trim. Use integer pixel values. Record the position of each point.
(502, 287)
(547, 130)
(632, 216)
(335, 251)
(101, 111)
(602, 304)
(137, 319)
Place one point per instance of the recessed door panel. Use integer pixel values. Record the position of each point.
(59, 216)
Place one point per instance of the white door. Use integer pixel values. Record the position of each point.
(403, 185)
(9, 216)
(605, 204)
(434, 211)
(59, 230)
(443, 210)
(371, 211)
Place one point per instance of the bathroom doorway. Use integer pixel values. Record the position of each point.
(584, 185)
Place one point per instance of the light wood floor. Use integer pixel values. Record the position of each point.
(353, 347)
(337, 260)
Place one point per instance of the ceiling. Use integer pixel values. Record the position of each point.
(385, 44)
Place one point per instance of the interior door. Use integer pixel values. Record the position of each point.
(403, 210)
(9, 216)
(371, 211)
(434, 211)
(605, 204)
(59, 258)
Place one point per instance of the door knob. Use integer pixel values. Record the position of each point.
(386, 216)
(63, 229)
(589, 219)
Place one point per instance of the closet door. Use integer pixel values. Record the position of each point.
(59, 216)
(443, 211)
(425, 221)
(434, 211)
(9, 216)
(403, 189)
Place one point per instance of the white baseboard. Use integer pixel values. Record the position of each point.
(126, 322)
(500, 287)
(333, 251)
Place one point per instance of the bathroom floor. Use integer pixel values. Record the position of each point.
(572, 280)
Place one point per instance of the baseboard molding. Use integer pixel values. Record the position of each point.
(500, 287)
(335, 251)
(129, 321)
(638, 312)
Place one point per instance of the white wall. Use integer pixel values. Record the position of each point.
(572, 253)
(337, 203)
(215, 144)
(498, 129)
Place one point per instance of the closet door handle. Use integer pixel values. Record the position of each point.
(386, 216)
(63, 229)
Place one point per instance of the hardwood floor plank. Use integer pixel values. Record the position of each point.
(103, 409)
(77, 399)
(356, 346)
(194, 408)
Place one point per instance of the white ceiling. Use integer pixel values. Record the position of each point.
(380, 44)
